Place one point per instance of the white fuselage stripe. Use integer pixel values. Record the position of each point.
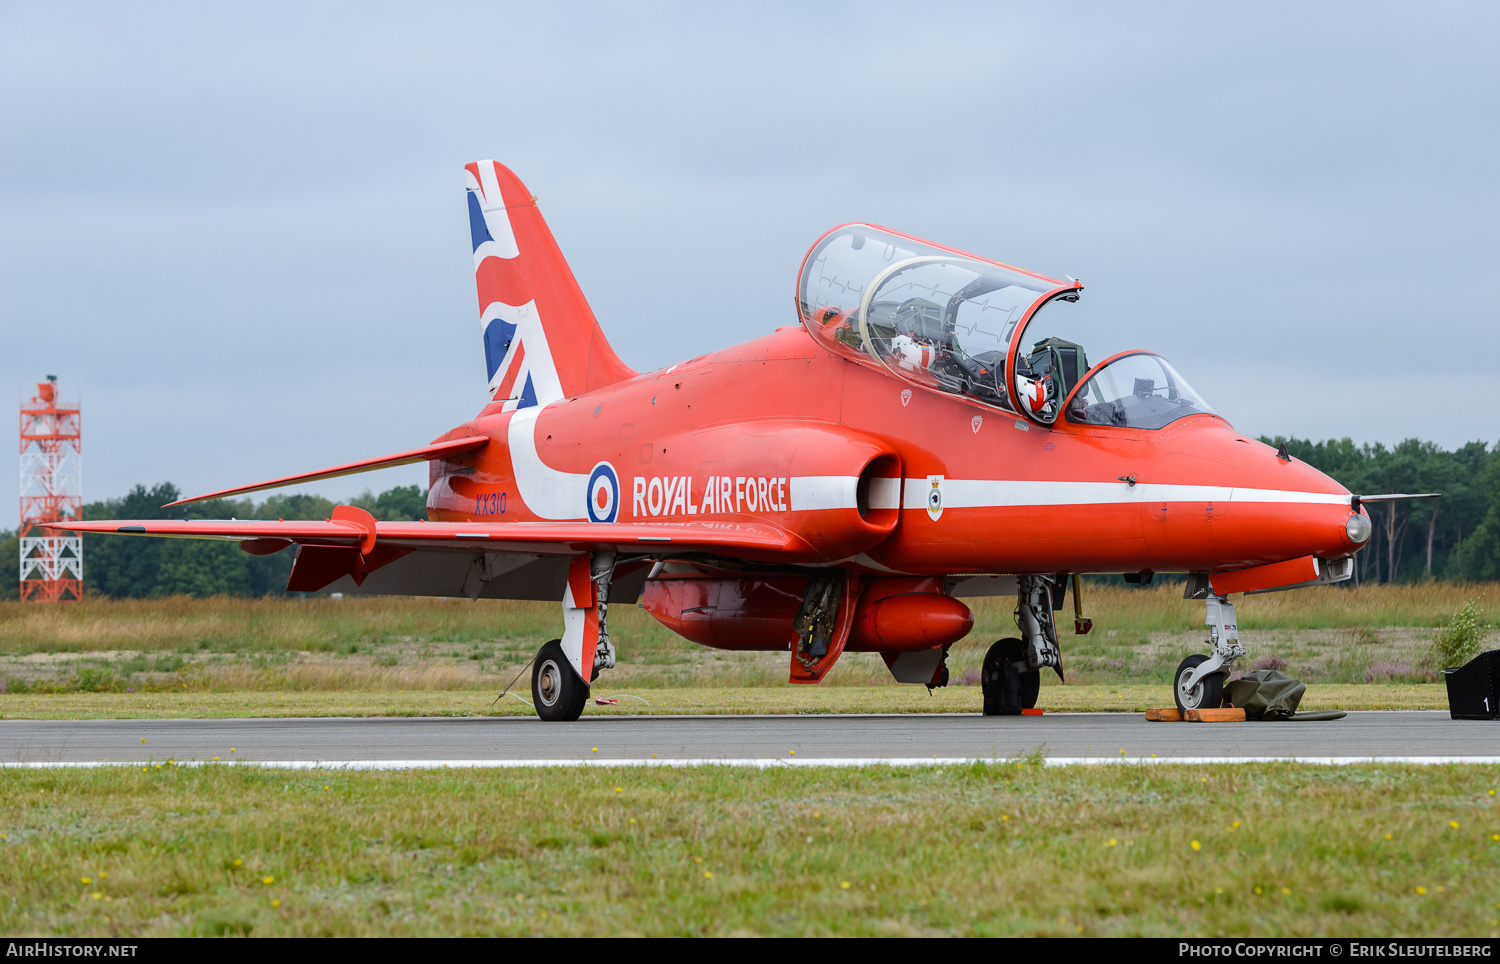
(995, 494)
(816, 492)
(810, 493)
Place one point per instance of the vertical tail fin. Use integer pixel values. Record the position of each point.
(541, 340)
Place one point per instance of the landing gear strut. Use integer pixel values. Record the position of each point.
(1038, 628)
(1199, 681)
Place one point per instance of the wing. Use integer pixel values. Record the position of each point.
(560, 538)
(351, 552)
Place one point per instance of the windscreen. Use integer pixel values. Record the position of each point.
(1139, 390)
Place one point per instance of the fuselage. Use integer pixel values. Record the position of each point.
(877, 475)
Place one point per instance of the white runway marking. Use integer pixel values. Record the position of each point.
(763, 763)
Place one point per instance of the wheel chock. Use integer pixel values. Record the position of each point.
(1172, 714)
(1031, 711)
(1225, 715)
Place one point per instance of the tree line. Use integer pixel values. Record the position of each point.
(1456, 537)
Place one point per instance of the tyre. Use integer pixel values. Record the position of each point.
(1208, 694)
(557, 691)
(1007, 690)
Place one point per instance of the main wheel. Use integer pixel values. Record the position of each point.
(556, 690)
(1007, 690)
(1206, 694)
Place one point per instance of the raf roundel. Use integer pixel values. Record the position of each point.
(603, 493)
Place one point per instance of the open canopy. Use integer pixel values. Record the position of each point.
(943, 319)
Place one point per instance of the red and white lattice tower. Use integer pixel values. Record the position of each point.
(51, 491)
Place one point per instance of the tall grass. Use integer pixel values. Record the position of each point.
(225, 624)
(440, 644)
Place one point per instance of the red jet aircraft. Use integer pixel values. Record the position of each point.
(836, 485)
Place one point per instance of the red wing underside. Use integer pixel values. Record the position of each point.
(543, 538)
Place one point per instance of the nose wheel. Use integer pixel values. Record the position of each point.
(1206, 693)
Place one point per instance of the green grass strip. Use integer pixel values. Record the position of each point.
(983, 849)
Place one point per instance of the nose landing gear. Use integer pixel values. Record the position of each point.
(1199, 681)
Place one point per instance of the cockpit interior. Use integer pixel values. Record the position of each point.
(955, 323)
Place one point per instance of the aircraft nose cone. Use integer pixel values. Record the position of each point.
(1314, 518)
(1222, 501)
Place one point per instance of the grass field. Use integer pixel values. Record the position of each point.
(1013, 848)
(398, 645)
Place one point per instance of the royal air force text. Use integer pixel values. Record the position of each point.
(667, 495)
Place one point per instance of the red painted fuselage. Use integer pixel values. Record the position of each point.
(730, 437)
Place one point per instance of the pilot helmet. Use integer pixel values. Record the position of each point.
(1038, 393)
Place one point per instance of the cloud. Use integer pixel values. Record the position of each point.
(239, 232)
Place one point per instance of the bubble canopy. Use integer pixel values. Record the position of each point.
(940, 318)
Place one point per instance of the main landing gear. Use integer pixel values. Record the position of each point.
(1011, 677)
(1199, 681)
(558, 688)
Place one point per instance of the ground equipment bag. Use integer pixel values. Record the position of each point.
(1265, 695)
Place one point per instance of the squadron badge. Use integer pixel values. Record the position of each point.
(935, 497)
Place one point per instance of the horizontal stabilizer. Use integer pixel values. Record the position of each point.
(427, 453)
(1355, 501)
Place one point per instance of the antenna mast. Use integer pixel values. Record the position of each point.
(51, 491)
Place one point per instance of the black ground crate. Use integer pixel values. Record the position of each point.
(1474, 688)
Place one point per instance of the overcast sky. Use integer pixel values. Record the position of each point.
(239, 233)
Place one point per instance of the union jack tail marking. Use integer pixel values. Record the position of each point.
(541, 340)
